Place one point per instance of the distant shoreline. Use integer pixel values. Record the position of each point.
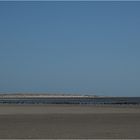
(65, 99)
(57, 95)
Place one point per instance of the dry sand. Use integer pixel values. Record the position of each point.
(69, 121)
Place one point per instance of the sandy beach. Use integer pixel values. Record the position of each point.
(70, 121)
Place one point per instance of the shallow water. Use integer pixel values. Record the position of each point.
(86, 100)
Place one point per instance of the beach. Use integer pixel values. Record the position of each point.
(69, 121)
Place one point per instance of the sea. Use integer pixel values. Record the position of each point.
(75, 100)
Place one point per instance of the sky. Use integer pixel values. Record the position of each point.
(70, 47)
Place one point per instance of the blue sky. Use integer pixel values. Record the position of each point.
(70, 47)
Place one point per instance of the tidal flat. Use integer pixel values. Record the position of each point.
(69, 121)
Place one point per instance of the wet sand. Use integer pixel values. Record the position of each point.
(69, 121)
